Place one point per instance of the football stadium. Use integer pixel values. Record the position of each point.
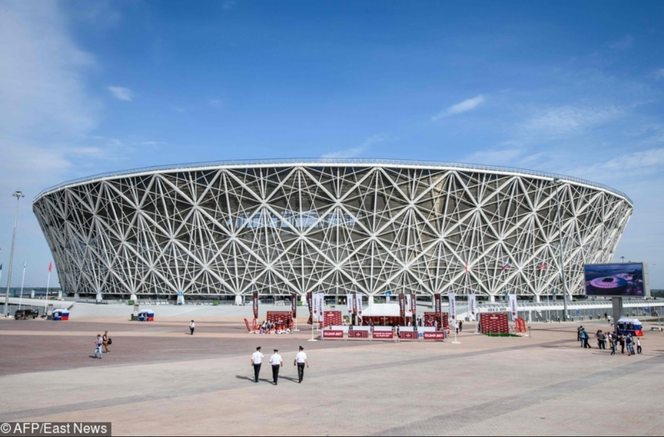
(374, 227)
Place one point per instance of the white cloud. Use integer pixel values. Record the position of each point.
(461, 107)
(624, 43)
(567, 119)
(358, 151)
(121, 93)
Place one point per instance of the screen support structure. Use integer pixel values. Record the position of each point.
(617, 302)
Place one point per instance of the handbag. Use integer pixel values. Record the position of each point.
(110, 340)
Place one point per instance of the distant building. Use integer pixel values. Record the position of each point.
(336, 227)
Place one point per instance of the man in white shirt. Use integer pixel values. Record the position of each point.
(192, 326)
(300, 361)
(276, 362)
(256, 360)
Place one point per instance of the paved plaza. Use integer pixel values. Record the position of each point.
(160, 380)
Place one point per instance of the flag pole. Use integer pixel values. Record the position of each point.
(20, 296)
(48, 284)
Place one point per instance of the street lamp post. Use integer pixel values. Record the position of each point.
(18, 195)
(561, 247)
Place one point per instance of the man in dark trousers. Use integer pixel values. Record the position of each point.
(300, 361)
(460, 325)
(256, 360)
(276, 362)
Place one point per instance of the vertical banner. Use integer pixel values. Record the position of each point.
(349, 303)
(452, 298)
(321, 307)
(472, 307)
(513, 307)
(311, 307)
(255, 304)
(402, 308)
(358, 306)
(315, 304)
(413, 305)
(294, 305)
(437, 308)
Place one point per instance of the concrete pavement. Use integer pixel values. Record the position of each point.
(160, 380)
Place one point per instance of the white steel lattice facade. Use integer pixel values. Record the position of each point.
(332, 227)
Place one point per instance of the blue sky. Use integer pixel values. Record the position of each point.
(567, 87)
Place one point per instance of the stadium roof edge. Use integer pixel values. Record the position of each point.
(310, 162)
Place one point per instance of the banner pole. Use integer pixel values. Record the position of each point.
(455, 337)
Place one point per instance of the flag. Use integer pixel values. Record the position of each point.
(0, 267)
(505, 267)
(542, 267)
(50, 266)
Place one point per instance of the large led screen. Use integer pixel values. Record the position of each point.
(621, 279)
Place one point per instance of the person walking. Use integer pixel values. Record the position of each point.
(105, 340)
(638, 345)
(256, 360)
(584, 337)
(460, 325)
(98, 344)
(300, 361)
(276, 362)
(621, 341)
(612, 339)
(192, 326)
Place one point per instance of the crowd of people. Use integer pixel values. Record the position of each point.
(269, 327)
(626, 342)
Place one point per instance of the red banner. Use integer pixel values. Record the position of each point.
(402, 307)
(383, 334)
(437, 307)
(294, 305)
(434, 335)
(310, 304)
(358, 334)
(255, 304)
(332, 334)
(408, 335)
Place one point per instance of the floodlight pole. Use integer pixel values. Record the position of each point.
(18, 195)
(561, 247)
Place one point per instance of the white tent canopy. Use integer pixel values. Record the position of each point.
(382, 310)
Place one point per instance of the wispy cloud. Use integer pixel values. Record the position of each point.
(358, 151)
(567, 119)
(121, 93)
(461, 107)
(659, 74)
(624, 43)
(215, 103)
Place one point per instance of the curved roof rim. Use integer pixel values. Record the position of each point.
(330, 161)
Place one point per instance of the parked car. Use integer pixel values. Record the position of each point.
(25, 314)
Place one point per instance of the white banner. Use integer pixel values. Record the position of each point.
(409, 308)
(349, 303)
(472, 307)
(451, 297)
(321, 306)
(513, 307)
(358, 305)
